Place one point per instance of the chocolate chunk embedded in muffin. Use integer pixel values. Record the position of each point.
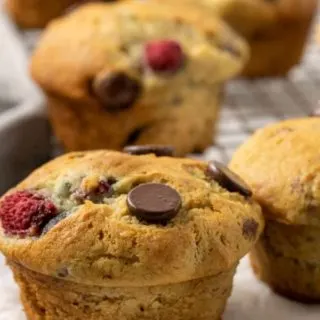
(281, 165)
(135, 73)
(149, 235)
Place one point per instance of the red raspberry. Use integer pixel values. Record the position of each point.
(25, 214)
(163, 55)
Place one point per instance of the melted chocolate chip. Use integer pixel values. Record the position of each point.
(154, 202)
(53, 222)
(249, 229)
(228, 179)
(159, 151)
(63, 273)
(117, 90)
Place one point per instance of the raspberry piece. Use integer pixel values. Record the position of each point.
(24, 213)
(96, 195)
(163, 55)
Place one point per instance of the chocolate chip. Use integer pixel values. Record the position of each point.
(228, 179)
(249, 229)
(135, 135)
(159, 151)
(154, 202)
(117, 90)
(63, 273)
(54, 222)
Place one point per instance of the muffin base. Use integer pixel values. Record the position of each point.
(275, 52)
(287, 259)
(48, 298)
(80, 126)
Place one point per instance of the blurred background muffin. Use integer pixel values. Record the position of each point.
(37, 13)
(281, 164)
(136, 73)
(276, 31)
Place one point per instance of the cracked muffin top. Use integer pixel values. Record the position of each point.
(153, 45)
(281, 165)
(117, 219)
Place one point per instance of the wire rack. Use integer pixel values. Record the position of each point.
(252, 104)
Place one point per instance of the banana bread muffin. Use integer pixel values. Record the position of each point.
(276, 30)
(135, 73)
(106, 235)
(281, 164)
(37, 13)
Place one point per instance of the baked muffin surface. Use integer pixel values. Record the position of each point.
(281, 165)
(95, 238)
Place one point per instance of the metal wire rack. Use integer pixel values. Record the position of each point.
(252, 104)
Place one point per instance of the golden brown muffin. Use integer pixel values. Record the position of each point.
(136, 73)
(281, 164)
(275, 30)
(37, 13)
(105, 235)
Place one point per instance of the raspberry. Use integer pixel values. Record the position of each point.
(96, 195)
(24, 213)
(163, 55)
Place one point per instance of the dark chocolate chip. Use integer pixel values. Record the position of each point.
(54, 222)
(228, 179)
(249, 229)
(154, 202)
(159, 151)
(63, 273)
(135, 135)
(117, 90)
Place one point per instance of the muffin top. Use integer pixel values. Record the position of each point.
(116, 219)
(281, 165)
(253, 17)
(139, 49)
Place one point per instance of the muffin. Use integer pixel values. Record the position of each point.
(275, 30)
(37, 13)
(135, 73)
(108, 235)
(281, 164)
